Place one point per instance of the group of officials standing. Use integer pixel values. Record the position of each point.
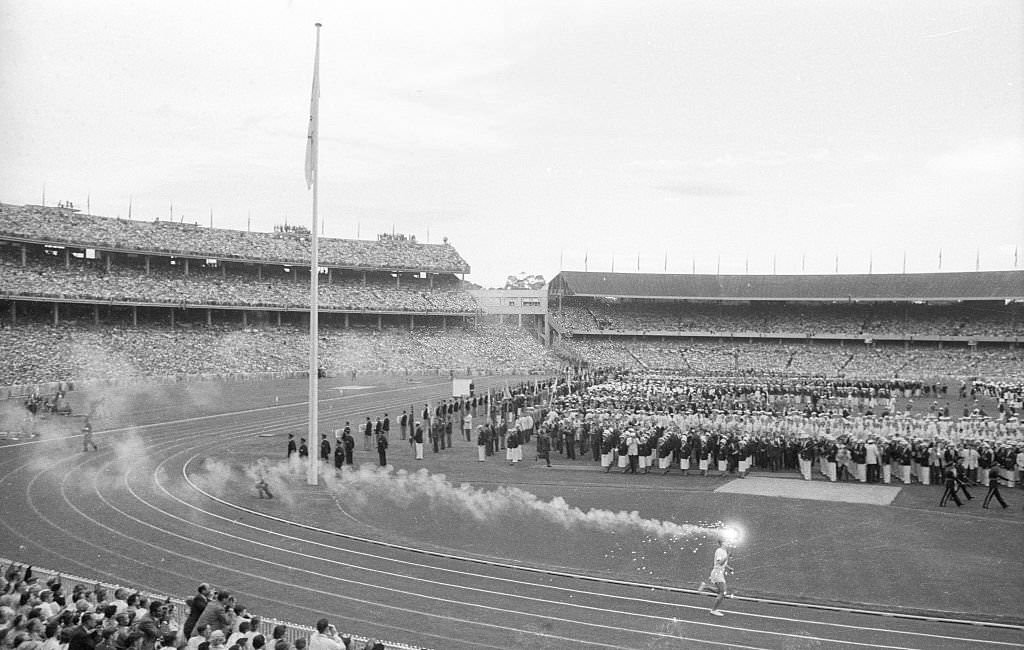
(502, 423)
(437, 427)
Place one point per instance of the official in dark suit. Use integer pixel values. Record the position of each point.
(949, 478)
(325, 448)
(417, 440)
(993, 489)
(382, 448)
(196, 605)
(350, 444)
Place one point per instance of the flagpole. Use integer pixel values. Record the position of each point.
(312, 174)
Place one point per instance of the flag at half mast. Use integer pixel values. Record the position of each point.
(312, 153)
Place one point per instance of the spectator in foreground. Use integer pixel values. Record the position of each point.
(325, 638)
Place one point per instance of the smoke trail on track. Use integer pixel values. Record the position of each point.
(370, 487)
(425, 510)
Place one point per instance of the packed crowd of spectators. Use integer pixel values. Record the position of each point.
(819, 359)
(859, 319)
(69, 227)
(90, 280)
(36, 353)
(61, 613)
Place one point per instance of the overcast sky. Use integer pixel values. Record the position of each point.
(540, 135)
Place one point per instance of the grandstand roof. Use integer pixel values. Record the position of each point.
(980, 285)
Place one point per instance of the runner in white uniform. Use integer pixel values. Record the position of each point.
(717, 577)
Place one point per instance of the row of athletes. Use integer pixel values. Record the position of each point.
(772, 441)
(642, 441)
(839, 458)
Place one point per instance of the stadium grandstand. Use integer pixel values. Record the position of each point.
(936, 324)
(88, 297)
(84, 297)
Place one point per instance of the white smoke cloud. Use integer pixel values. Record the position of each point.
(425, 510)
(404, 490)
(214, 477)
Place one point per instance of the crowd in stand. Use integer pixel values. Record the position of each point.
(73, 228)
(37, 614)
(858, 319)
(91, 281)
(824, 359)
(35, 353)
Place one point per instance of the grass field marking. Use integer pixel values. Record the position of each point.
(788, 488)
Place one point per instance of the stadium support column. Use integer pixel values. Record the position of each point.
(24, 255)
(245, 318)
(135, 315)
(147, 265)
(67, 258)
(56, 314)
(380, 323)
(95, 314)
(209, 317)
(412, 322)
